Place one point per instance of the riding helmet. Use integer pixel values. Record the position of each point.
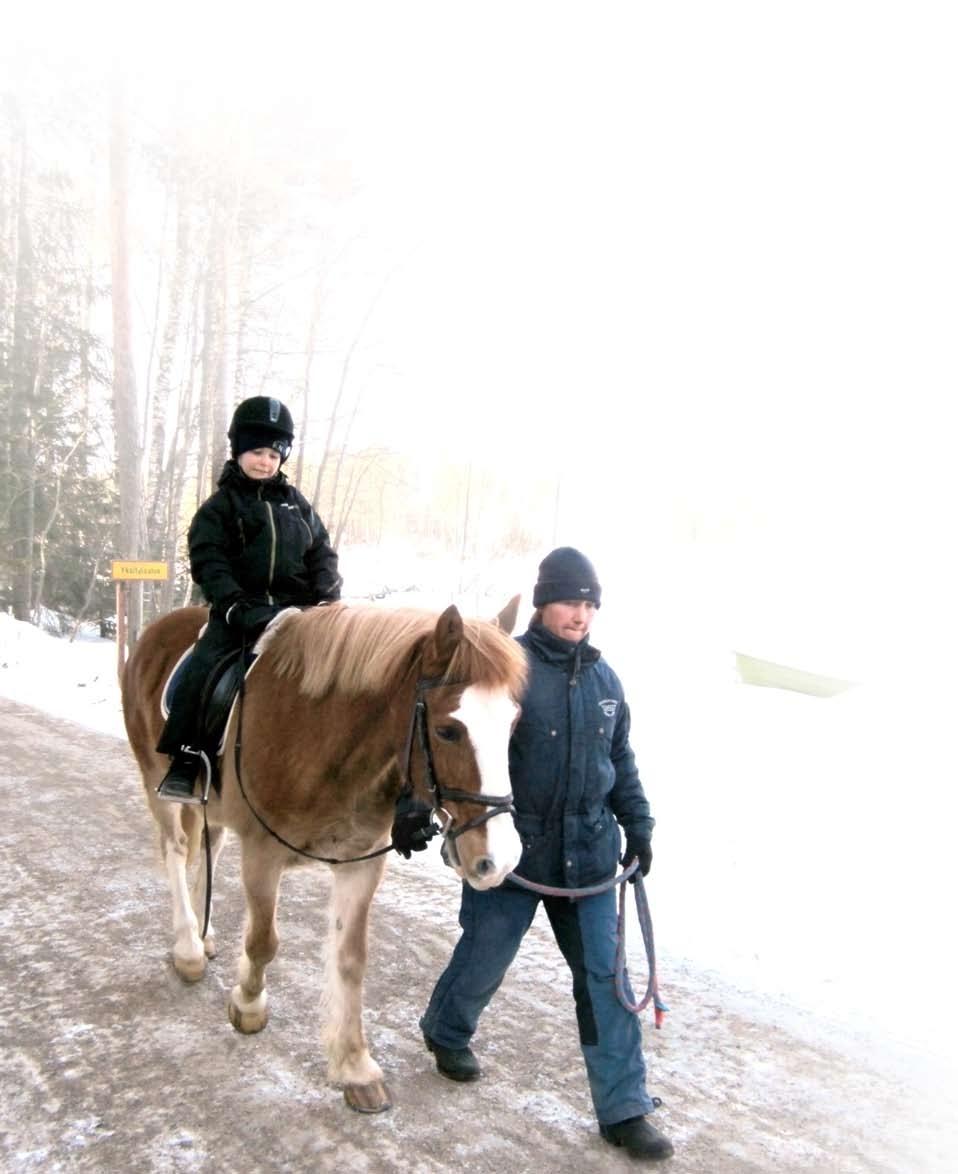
(261, 422)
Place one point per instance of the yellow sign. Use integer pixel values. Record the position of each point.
(137, 570)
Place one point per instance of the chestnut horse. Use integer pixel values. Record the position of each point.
(342, 706)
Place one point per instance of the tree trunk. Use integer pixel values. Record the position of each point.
(24, 361)
(334, 414)
(128, 447)
(311, 330)
(213, 409)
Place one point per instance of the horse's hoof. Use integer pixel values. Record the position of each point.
(368, 1098)
(190, 969)
(209, 946)
(248, 1022)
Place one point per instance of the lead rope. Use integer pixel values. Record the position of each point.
(645, 924)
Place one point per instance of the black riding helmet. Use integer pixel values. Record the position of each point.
(261, 422)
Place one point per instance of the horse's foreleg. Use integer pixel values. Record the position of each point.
(261, 874)
(189, 959)
(349, 1060)
(217, 841)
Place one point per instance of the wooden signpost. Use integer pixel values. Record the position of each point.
(125, 571)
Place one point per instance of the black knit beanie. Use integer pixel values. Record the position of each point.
(566, 574)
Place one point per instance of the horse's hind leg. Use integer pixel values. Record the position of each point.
(261, 875)
(189, 960)
(217, 840)
(350, 1063)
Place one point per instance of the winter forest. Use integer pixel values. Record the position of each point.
(169, 246)
(633, 286)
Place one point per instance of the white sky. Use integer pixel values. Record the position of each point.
(698, 258)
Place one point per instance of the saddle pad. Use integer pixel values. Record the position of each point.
(172, 681)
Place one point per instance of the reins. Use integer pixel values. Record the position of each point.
(645, 924)
(497, 804)
(237, 753)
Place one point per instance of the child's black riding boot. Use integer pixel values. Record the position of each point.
(178, 785)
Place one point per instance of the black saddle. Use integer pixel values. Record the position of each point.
(216, 700)
(220, 689)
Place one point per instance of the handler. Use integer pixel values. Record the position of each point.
(575, 781)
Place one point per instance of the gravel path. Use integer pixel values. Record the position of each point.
(109, 1062)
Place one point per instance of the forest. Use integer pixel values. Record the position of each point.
(520, 281)
(162, 256)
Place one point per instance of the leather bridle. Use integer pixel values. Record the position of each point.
(439, 795)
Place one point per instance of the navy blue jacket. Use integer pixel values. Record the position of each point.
(262, 542)
(573, 773)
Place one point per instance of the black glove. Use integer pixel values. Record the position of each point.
(251, 618)
(637, 848)
(412, 828)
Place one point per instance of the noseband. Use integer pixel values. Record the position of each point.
(439, 795)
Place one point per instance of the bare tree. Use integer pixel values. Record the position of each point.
(25, 358)
(340, 390)
(128, 444)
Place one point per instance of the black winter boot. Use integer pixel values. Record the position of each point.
(639, 1138)
(456, 1063)
(177, 786)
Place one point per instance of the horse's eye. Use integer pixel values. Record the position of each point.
(448, 733)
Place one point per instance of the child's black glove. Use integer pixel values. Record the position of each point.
(251, 618)
(637, 848)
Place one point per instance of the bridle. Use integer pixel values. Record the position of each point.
(439, 795)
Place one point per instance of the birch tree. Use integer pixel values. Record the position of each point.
(125, 412)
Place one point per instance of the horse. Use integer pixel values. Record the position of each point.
(343, 707)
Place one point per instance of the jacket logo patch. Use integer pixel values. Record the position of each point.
(608, 706)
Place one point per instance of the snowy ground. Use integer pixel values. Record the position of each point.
(803, 845)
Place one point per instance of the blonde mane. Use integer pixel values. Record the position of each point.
(357, 650)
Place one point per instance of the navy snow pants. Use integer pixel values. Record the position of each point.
(493, 925)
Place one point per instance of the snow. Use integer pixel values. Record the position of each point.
(803, 846)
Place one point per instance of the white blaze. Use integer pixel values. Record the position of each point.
(488, 715)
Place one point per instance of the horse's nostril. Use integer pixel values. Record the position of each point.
(484, 866)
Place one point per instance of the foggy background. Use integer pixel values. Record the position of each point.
(671, 283)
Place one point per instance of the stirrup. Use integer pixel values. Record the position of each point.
(177, 788)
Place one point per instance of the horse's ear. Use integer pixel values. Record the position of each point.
(506, 619)
(445, 640)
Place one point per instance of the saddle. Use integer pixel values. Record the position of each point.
(216, 701)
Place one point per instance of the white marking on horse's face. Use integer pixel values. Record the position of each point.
(488, 715)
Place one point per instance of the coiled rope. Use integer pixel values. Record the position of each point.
(645, 924)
